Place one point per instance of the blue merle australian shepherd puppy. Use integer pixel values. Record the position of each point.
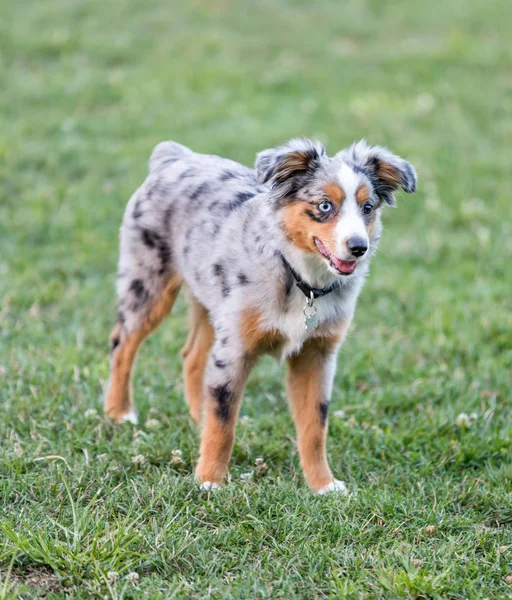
(274, 259)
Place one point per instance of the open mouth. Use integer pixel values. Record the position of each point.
(344, 267)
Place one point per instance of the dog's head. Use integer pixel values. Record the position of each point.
(330, 205)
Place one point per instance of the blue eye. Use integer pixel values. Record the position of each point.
(325, 207)
(367, 208)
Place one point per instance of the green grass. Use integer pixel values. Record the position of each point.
(86, 90)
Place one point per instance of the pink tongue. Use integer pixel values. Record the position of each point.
(345, 266)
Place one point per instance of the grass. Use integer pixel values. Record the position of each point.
(86, 90)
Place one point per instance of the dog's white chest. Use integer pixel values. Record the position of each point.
(298, 322)
(294, 332)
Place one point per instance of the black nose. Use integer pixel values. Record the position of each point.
(357, 246)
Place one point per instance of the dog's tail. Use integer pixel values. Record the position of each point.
(165, 153)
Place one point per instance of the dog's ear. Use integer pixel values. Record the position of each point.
(285, 167)
(386, 171)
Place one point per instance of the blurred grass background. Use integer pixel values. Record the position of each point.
(87, 88)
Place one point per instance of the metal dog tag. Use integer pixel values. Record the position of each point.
(310, 321)
(310, 318)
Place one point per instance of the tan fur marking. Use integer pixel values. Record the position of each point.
(216, 445)
(118, 400)
(330, 336)
(362, 194)
(256, 339)
(335, 193)
(389, 174)
(293, 162)
(195, 353)
(301, 229)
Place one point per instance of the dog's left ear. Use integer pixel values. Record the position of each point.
(286, 166)
(386, 171)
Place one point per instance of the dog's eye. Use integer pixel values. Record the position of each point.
(367, 208)
(325, 206)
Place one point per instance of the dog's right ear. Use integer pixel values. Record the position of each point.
(284, 167)
(386, 171)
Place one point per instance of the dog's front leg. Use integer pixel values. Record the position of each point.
(224, 385)
(309, 384)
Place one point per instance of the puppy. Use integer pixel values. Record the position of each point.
(274, 259)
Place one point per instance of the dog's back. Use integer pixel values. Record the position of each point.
(174, 222)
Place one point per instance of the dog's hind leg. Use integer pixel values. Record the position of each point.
(147, 286)
(125, 341)
(195, 356)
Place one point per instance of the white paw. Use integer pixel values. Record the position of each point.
(209, 486)
(336, 486)
(130, 417)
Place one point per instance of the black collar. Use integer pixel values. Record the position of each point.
(305, 288)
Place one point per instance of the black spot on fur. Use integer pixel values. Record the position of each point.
(242, 279)
(149, 238)
(359, 169)
(218, 271)
(140, 295)
(164, 252)
(114, 343)
(224, 398)
(227, 175)
(240, 199)
(162, 163)
(224, 341)
(155, 241)
(324, 412)
(190, 172)
(149, 190)
(220, 364)
(137, 210)
(120, 318)
(137, 287)
(168, 217)
(158, 186)
(202, 189)
(316, 217)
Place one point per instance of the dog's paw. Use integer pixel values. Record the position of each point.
(336, 486)
(129, 417)
(209, 486)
